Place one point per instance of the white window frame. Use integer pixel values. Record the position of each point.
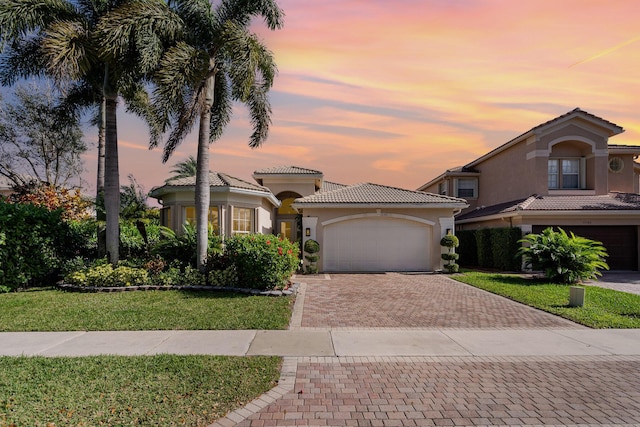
(582, 178)
(443, 188)
(214, 208)
(246, 221)
(474, 188)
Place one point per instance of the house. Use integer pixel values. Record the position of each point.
(562, 173)
(361, 228)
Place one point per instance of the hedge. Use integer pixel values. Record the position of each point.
(494, 248)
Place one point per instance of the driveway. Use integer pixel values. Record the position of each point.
(625, 281)
(384, 391)
(395, 300)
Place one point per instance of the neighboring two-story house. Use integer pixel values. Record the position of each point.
(561, 173)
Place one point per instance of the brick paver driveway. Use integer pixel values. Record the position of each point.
(556, 391)
(453, 391)
(414, 301)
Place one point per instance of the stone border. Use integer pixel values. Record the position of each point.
(292, 290)
(286, 384)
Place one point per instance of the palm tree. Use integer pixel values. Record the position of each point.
(216, 62)
(63, 39)
(185, 168)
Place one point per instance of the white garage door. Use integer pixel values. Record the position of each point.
(376, 244)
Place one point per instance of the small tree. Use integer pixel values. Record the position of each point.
(450, 242)
(564, 258)
(311, 247)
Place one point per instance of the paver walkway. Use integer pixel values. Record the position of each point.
(427, 391)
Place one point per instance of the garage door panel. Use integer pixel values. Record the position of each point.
(376, 244)
(621, 242)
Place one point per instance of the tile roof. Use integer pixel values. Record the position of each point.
(287, 170)
(216, 179)
(367, 193)
(576, 111)
(607, 202)
(331, 186)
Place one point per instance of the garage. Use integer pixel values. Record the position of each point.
(621, 242)
(377, 244)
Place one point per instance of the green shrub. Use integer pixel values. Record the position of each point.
(182, 247)
(504, 248)
(35, 243)
(450, 242)
(262, 261)
(468, 249)
(483, 244)
(564, 258)
(106, 276)
(311, 247)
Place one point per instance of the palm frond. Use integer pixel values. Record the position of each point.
(183, 125)
(140, 28)
(241, 12)
(23, 59)
(68, 50)
(222, 106)
(260, 113)
(199, 19)
(19, 18)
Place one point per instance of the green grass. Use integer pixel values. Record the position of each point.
(604, 308)
(52, 310)
(144, 391)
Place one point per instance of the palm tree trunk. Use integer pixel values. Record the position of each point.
(112, 179)
(202, 178)
(100, 213)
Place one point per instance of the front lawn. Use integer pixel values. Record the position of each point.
(604, 308)
(159, 390)
(52, 310)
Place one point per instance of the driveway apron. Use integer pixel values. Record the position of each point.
(527, 390)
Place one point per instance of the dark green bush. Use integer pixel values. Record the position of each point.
(467, 249)
(35, 243)
(483, 243)
(564, 258)
(262, 261)
(311, 246)
(505, 243)
(182, 247)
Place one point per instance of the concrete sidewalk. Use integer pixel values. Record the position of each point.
(348, 342)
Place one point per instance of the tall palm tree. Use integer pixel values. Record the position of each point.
(217, 61)
(63, 39)
(185, 168)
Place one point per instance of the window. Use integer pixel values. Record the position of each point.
(242, 220)
(442, 188)
(616, 165)
(190, 216)
(467, 188)
(285, 208)
(165, 217)
(564, 174)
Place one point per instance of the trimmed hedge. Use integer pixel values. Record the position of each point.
(494, 248)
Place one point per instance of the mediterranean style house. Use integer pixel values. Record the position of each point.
(360, 228)
(562, 173)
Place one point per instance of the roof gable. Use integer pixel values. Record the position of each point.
(286, 170)
(374, 194)
(611, 128)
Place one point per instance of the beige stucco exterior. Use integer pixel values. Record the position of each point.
(438, 221)
(519, 170)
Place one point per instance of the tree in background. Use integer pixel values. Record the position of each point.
(185, 168)
(63, 39)
(39, 140)
(214, 61)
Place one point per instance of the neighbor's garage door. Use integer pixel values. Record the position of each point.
(621, 243)
(376, 244)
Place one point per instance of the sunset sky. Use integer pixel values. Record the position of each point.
(395, 92)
